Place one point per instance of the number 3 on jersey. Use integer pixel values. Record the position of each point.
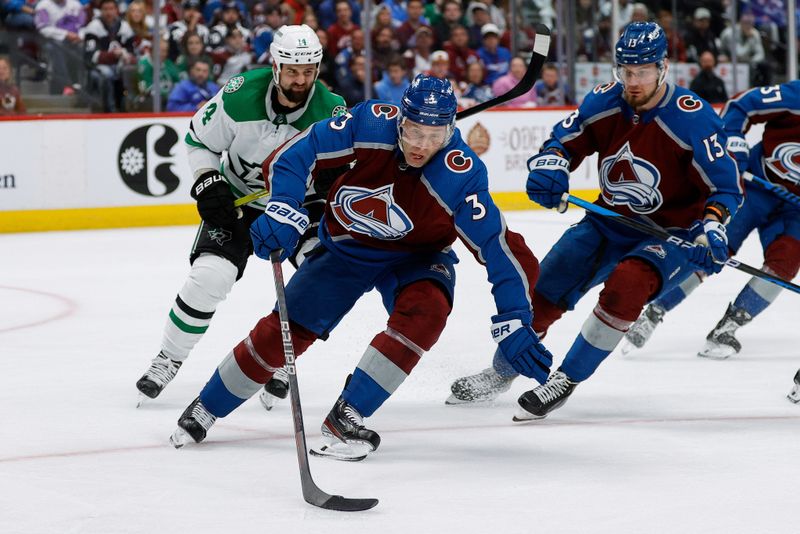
(478, 209)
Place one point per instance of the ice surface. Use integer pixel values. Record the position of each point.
(657, 441)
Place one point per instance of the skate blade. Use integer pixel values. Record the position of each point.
(452, 400)
(267, 401)
(524, 416)
(345, 452)
(794, 395)
(626, 347)
(179, 438)
(716, 352)
(141, 400)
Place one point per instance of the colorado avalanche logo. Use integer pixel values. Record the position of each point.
(456, 161)
(386, 111)
(785, 162)
(372, 212)
(626, 180)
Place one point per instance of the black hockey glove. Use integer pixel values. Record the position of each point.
(214, 200)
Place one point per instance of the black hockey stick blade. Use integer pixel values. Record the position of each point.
(541, 46)
(343, 504)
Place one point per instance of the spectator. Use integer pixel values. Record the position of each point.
(639, 13)
(135, 16)
(294, 11)
(748, 47)
(497, 15)
(407, 31)
(108, 45)
(475, 90)
(397, 11)
(699, 37)
(550, 89)
(192, 48)
(10, 97)
(418, 58)
(460, 53)
(232, 59)
(190, 22)
(169, 74)
(353, 89)
(393, 83)
(173, 10)
(382, 18)
(480, 17)
(384, 49)
(624, 11)
(496, 58)
(266, 20)
(231, 19)
(327, 67)
(676, 48)
(59, 21)
(18, 14)
(440, 65)
(506, 82)
(339, 32)
(326, 12)
(452, 15)
(192, 94)
(707, 84)
(342, 60)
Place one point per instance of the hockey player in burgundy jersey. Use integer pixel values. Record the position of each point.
(776, 158)
(389, 223)
(661, 159)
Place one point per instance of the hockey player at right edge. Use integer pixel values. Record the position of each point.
(661, 159)
(778, 222)
(794, 395)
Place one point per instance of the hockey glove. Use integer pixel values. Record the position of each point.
(740, 150)
(712, 252)
(548, 178)
(214, 200)
(279, 227)
(521, 346)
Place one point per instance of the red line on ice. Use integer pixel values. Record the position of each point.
(69, 308)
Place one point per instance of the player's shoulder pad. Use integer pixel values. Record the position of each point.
(375, 121)
(456, 167)
(688, 115)
(244, 95)
(602, 98)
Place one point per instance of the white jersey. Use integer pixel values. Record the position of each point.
(237, 129)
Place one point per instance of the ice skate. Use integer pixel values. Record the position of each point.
(193, 425)
(482, 387)
(721, 342)
(540, 401)
(162, 370)
(276, 389)
(794, 395)
(639, 333)
(344, 436)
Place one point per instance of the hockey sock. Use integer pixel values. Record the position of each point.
(210, 280)
(672, 298)
(419, 316)
(251, 364)
(781, 258)
(599, 336)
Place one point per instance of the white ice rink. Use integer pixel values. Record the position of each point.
(658, 441)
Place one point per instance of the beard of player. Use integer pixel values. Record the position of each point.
(645, 96)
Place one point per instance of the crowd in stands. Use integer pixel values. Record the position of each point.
(205, 42)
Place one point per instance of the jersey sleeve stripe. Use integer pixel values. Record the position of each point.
(587, 122)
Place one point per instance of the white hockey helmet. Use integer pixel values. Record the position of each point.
(295, 45)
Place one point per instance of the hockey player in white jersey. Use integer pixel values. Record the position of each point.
(228, 139)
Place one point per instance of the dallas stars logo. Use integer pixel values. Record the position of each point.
(219, 235)
(234, 84)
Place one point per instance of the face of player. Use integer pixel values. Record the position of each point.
(420, 142)
(296, 81)
(642, 90)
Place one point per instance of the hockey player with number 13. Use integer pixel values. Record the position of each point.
(389, 224)
(661, 159)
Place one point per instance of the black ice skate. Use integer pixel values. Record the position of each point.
(193, 424)
(540, 401)
(276, 389)
(162, 370)
(344, 436)
(482, 387)
(721, 342)
(640, 331)
(794, 395)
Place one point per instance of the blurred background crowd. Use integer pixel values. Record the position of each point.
(97, 55)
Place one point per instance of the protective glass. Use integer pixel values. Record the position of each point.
(627, 74)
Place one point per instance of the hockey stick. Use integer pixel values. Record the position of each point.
(659, 232)
(541, 46)
(311, 492)
(774, 188)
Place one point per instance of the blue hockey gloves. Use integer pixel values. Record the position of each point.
(279, 227)
(214, 200)
(548, 178)
(740, 150)
(713, 252)
(521, 346)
